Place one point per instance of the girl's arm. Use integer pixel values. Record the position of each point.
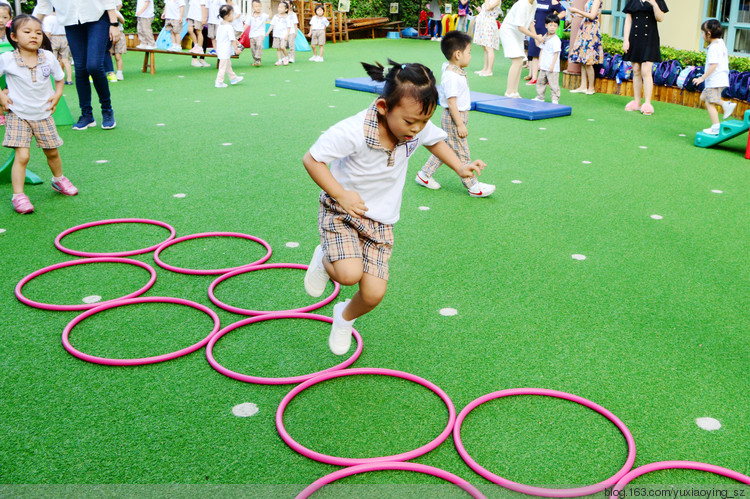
(710, 69)
(626, 33)
(204, 14)
(657, 11)
(57, 95)
(350, 201)
(491, 4)
(444, 153)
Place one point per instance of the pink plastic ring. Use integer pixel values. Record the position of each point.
(276, 381)
(49, 306)
(64, 233)
(365, 468)
(244, 311)
(540, 491)
(146, 360)
(210, 271)
(677, 465)
(343, 461)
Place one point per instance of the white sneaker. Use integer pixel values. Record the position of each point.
(481, 190)
(144, 46)
(313, 58)
(196, 63)
(204, 63)
(729, 109)
(714, 130)
(426, 181)
(175, 48)
(220, 84)
(237, 80)
(291, 60)
(196, 50)
(316, 276)
(320, 59)
(555, 102)
(340, 339)
(538, 99)
(119, 76)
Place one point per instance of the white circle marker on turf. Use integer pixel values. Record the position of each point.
(91, 299)
(683, 135)
(245, 410)
(448, 312)
(331, 106)
(253, 114)
(102, 161)
(287, 81)
(149, 90)
(717, 191)
(578, 257)
(272, 95)
(516, 182)
(483, 138)
(592, 119)
(179, 195)
(181, 76)
(542, 128)
(643, 147)
(2, 230)
(335, 89)
(227, 144)
(196, 101)
(292, 244)
(586, 162)
(424, 208)
(708, 424)
(657, 217)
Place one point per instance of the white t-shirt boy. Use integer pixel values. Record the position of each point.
(550, 51)
(172, 9)
(30, 94)
(717, 54)
(149, 12)
(455, 85)
(318, 22)
(280, 26)
(257, 25)
(213, 11)
(364, 169)
(51, 26)
(195, 10)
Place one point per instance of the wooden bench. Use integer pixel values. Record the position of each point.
(149, 57)
(365, 23)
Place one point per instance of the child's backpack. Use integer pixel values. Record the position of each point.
(659, 73)
(697, 73)
(614, 67)
(604, 66)
(740, 87)
(625, 72)
(673, 72)
(728, 93)
(684, 76)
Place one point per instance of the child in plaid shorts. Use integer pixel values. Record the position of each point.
(455, 99)
(716, 76)
(29, 105)
(362, 191)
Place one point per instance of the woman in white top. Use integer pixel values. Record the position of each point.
(518, 23)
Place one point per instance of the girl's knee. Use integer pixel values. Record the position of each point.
(22, 156)
(52, 153)
(372, 295)
(348, 272)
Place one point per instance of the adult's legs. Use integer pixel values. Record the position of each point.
(637, 82)
(88, 44)
(648, 81)
(590, 78)
(514, 75)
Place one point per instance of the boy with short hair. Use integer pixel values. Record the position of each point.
(257, 22)
(455, 98)
(716, 75)
(172, 15)
(549, 61)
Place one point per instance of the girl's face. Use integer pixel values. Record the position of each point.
(4, 17)
(228, 16)
(282, 8)
(28, 35)
(405, 120)
(319, 11)
(706, 36)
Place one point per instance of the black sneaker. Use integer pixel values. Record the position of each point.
(84, 122)
(108, 119)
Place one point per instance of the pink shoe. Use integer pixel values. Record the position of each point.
(647, 109)
(22, 204)
(63, 186)
(632, 106)
(2, 120)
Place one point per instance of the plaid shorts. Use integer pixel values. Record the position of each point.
(211, 31)
(121, 46)
(277, 43)
(60, 46)
(195, 24)
(18, 132)
(712, 95)
(343, 236)
(173, 25)
(318, 37)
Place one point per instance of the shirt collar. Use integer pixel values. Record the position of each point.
(21, 64)
(456, 69)
(372, 133)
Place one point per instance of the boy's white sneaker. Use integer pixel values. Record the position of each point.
(555, 102)
(204, 63)
(196, 63)
(426, 181)
(481, 190)
(340, 339)
(220, 84)
(175, 48)
(714, 130)
(538, 99)
(316, 276)
(729, 109)
(313, 58)
(319, 59)
(119, 76)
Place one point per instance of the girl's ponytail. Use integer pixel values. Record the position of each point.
(412, 80)
(375, 71)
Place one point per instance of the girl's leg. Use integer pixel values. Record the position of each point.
(118, 60)
(584, 81)
(490, 59)
(54, 161)
(18, 171)
(589, 69)
(230, 72)
(514, 75)
(199, 37)
(320, 51)
(222, 70)
(486, 60)
(637, 82)
(713, 113)
(648, 81)
(193, 36)
(290, 48)
(279, 54)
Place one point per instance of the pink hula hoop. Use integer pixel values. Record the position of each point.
(180, 270)
(343, 461)
(541, 491)
(244, 311)
(677, 465)
(49, 306)
(64, 233)
(365, 468)
(145, 360)
(276, 381)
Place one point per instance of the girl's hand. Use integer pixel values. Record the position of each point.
(699, 80)
(352, 204)
(5, 101)
(462, 131)
(52, 101)
(470, 169)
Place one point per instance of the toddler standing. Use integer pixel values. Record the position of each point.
(226, 46)
(172, 15)
(213, 22)
(6, 14)
(716, 76)
(257, 22)
(549, 61)
(318, 25)
(144, 13)
(56, 34)
(280, 27)
(292, 38)
(196, 18)
(455, 99)
(29, 104)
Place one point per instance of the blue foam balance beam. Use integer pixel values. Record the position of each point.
(524, 109)
(477, 97)
(363, 84)
(728, 130)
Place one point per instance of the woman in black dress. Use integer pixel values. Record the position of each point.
(642, 48)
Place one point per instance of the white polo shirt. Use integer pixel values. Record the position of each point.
(547, 53)
(455, 85)
(70, 12)
(280, 26)
(213, 11)
(318, 22)
(195, 10)
(257, 24)
(172, 9)
(364, 169)
(30, 95)
(149, 12)
(52, 26)
(717, 54)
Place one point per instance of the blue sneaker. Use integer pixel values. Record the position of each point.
(108, 119)
(84, 122)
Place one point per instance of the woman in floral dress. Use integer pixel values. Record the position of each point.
(587, 49)
(486, 33)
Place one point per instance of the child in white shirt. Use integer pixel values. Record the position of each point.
(361, 199)
(280, 27)
(317, 34)
(29, 103)
(549, 61)
(197, 16)
(293, 22)
(716, 76)
(213, 22)
(56, 34)
(6, 14)
(172, 15)
(144, 13)
(257, 21)
(226, 46)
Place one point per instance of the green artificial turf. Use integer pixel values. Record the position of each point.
(653, 324)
